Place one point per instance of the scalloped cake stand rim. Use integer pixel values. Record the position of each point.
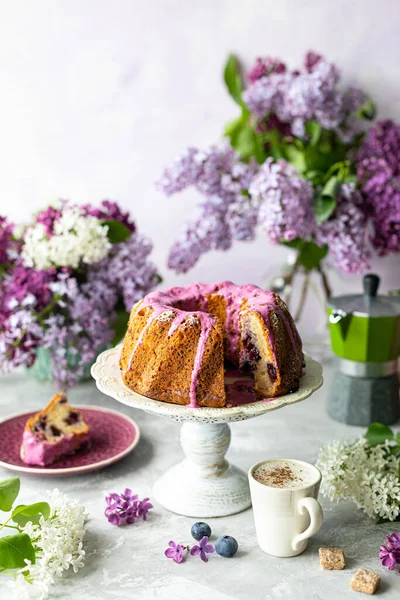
(107, 375)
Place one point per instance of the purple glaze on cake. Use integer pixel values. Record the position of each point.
(248, 296)
(37, 451)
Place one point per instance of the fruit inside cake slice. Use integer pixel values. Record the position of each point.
(55, 431)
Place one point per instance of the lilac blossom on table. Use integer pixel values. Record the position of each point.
(176, 551)
(202, 549)
(286, 209)
(126, 507)
(390, 554)
(345, 232)
(378, 170)
(226, 212)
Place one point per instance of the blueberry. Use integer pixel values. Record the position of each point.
(226, 546)
(199, 530)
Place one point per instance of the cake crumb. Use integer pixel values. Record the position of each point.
(332, 559)
(365, 581)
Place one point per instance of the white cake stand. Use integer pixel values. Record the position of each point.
(204, 484)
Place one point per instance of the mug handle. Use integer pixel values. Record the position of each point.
(313, 507)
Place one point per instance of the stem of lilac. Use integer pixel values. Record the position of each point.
(325, 283)
(289, 280)
(2, 525)
(303, 297)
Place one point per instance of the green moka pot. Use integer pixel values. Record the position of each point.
(365, 336)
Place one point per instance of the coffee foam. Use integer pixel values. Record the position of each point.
(284, 474)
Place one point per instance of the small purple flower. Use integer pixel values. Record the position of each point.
(393, 541)
(143, 507)
(175, 551)
(126, 507)
(388, 559)
(390, 554)
(265, 66)
(48, 216)
(203, 549)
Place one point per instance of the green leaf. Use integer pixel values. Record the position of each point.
(378, 434)
(325, 202)
(232, 128)
(367, 110)
(23, 513)
(120, 325)
(313, 131)
(311, 255)
(14, 549)
(117, 231)
(331, 187)
(323, 208)
(9, 490)
(295, 156)
(397, 437)
(246, 142)
(233, 79)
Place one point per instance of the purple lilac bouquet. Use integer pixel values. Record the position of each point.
(297, 164)
(67, 283)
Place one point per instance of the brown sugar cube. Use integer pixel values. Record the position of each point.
(332, 559)
(365, 581)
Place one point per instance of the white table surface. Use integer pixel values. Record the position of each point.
(128, 562)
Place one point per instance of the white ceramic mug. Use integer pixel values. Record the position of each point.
(286, 517)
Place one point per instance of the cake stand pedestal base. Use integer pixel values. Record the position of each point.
(204, 484)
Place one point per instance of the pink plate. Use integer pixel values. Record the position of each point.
(113, 436)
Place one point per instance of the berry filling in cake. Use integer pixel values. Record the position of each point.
(56, 431)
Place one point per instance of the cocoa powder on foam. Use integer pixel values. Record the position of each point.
(280, 476)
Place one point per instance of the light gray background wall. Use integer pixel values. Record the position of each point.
(98, 95)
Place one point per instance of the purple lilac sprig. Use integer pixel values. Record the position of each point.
(110, 211)
(345, 232)
(285, 202)
(126, 508)
(6, 240)
(378, 170)
(295, 97)
(178, 552)
(390, 554)
(226, 212)
(67, 311)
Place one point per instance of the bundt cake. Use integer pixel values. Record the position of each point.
(177, 341)
(55, 431)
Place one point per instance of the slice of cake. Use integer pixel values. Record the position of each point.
(53, 432)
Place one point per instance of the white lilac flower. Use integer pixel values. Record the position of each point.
(58, 542)
(367, 476)
(77, 238)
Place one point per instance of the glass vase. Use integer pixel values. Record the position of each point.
(306, 293)
(41, 368)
